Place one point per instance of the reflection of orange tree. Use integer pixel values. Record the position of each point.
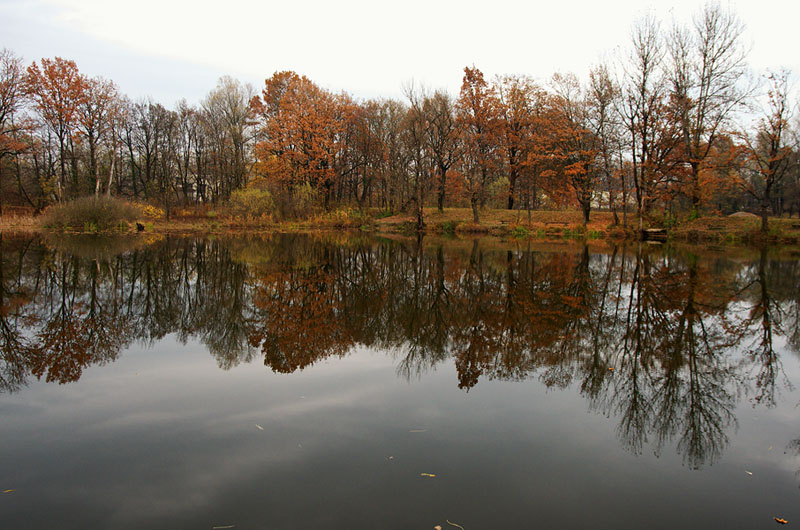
(303, 319)
(69, 343)
(78, 334)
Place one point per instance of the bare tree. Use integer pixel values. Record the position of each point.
(416, 135)
(769, 150)
(96, 115)
(706, 69)
(641, 107)
(602, 96)
(442, 137)
(12, 95)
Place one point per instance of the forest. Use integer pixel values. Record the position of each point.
(676, 126)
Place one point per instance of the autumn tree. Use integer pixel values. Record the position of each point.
(539, 145)
(478, 120)
(58, 90)
(517, 111)
(577, 143)
(300, 126)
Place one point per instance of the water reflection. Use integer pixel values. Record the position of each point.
(667, 344)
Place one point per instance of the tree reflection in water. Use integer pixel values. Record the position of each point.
(666, 343)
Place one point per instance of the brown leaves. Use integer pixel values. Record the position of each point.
(303, 124)
(781, 521)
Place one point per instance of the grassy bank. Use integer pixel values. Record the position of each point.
(543, 225)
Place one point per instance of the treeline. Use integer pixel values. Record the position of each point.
(669, 130)
(666, 343)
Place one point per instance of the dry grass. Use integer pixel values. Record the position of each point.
(20, 224)
(737, 229)
(500, 222)
(543, 225)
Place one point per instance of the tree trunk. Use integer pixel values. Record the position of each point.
(765, 216)
(442, 183)
(512, 183)
(110, 177)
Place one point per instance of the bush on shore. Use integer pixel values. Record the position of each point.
(251, 202)
(91, 214)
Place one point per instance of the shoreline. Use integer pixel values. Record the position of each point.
(741, 230)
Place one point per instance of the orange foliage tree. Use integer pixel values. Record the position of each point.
(300, 133)
(58, 90)
(480, 126)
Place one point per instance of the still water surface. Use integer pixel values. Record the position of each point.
(317, 382)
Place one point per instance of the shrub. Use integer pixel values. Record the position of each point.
(251, 202)
(497, 193)
(519, 231)
(91, 214)
(152, 212)
(306, 200)
(448, 227)
(300, 202)
(347, 218)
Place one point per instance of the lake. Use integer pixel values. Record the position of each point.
(333, 381)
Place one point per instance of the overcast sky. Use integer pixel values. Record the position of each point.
(170, 49)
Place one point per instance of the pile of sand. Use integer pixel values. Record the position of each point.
(747, 215)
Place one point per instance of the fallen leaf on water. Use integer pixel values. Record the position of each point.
(259, 427)
(454, 524)
(431, 475)
(749, 472)
(418, 430)
(9, 491)
(781, 521)
(437, 527)
(391, 458)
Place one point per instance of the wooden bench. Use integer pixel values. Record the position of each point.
(654, 234)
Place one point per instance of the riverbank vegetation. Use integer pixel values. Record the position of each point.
(669, 134)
